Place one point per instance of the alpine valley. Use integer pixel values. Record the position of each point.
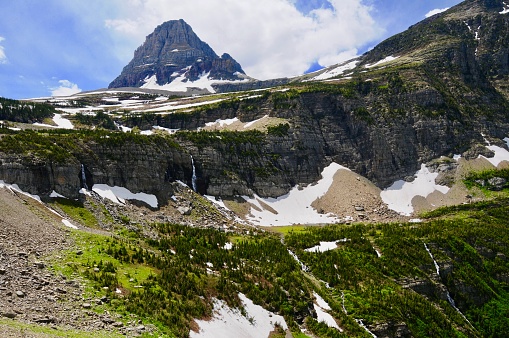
(367, 199)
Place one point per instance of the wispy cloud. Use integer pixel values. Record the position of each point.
(3, 57)
(435, 11)
(66, 88)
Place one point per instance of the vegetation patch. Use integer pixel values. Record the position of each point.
(23, 111)
(76, 211)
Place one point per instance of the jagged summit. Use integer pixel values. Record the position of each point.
(174, 58)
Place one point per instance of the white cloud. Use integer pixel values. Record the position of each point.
(435, 11)
(269, 38)
(66, 88)
(3, 57)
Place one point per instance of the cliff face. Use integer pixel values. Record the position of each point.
(442, 91)
(174, 50)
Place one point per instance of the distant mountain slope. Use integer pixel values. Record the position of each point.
(174, 58)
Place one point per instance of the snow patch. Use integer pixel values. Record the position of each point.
(170, 131)
(182, 84)
(119, 195)
(171, 106)
(54, 194)
(335, 71)
(62, 122)
(501, 154)
(16, 188)
(506, 9)
(230, 323)
(222, 123)
(321, 306)
(69, 224)
(387, 59)
(326, 246)
(85, 192)
(294, 207)
(249, 124)
(399, 195)
(435, 11)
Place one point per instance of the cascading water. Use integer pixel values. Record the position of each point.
(361, 324)
(449, 298)
(343, 302)
(302, 265)
(193, 178)
(83, 178)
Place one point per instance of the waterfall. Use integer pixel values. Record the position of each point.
(449, 298)
(83, 178)
(433, 258)
(302, 265)
(343, 302)
(193, 178)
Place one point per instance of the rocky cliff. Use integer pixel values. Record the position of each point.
(435, 90)
(174, 50)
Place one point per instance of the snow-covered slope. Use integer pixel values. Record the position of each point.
(294, 207)
(181, 84)
(230, 323)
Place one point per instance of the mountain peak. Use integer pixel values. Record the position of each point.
(173, 53)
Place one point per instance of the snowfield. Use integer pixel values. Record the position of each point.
(399, 195)
(294, 207)
(182, 84)
(60, 122)
(16, 188)
(501, 154)
(387, 59)
(119, 195)
(230, 323)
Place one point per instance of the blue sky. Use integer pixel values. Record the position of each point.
(64, 46)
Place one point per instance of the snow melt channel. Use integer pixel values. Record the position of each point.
(294, 207)
(398, 196)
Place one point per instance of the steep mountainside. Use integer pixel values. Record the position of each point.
(434, 90)
(173, 52)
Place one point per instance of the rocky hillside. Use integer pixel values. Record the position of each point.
(173, 52)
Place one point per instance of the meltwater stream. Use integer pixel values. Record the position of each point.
(449, 298)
